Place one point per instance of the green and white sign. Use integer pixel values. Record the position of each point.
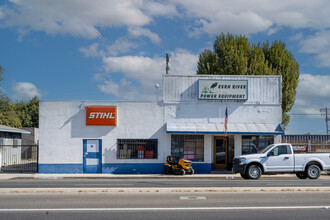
(211, 89)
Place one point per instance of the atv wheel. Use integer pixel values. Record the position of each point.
(191, 171)
(166, 170)
(182, 172)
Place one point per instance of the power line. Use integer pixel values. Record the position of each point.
(305, 114)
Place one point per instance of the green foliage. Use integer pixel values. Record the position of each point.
(1, 72)
(20, 114)
(8, 114)
(28, 113)
(237, 56)
(208, 63)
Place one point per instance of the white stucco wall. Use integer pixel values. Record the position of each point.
(63, 127)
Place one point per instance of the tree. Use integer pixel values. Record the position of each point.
(237, 56)
(8, 114)
(20, 114)
(28, 113)
(33, 107)
(1, 72)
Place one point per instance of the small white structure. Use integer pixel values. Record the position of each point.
(10, 142)
(136, 137)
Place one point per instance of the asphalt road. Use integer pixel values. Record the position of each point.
(160, 182)
(288, 205)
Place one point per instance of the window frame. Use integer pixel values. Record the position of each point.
(139, 147)
(184, 145)
(260, 142)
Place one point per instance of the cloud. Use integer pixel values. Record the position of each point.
(79, 18)
(159, 9)
(253, 16)
(141, 73)
(242, 23)
(312, 94)
(318, 44)
(25, 91)
(121, 46)
(143, 32)
(84, 18)
(91, 51)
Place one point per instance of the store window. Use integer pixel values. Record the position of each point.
(137, 149)
(190, 147)
(253, 144)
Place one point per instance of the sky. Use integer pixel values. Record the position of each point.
(115, 49)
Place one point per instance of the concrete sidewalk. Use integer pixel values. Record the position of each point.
(8, 176)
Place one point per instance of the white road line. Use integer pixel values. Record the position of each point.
(165, 209)
(103, 184)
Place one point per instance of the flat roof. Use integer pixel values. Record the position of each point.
(4, 128)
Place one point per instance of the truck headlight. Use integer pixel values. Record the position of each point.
(241, 161)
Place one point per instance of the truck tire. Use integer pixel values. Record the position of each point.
(313, 171)
(301, 175)
(253, 172)
(244, 175)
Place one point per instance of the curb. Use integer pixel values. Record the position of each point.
(164, 190)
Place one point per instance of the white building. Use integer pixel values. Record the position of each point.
(136, 137)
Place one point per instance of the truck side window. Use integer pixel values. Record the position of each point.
(288, 149)
(282, 149)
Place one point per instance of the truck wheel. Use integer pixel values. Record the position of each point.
(254, 172)
(301, 175)
(313, 171)
(244, 176)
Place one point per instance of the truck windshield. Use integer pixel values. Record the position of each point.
(265, 149)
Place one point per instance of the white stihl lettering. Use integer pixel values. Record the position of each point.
(101, 115)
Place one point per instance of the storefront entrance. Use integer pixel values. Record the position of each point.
(92, 156)
(220, 152)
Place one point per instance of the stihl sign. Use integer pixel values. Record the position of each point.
(101, 115)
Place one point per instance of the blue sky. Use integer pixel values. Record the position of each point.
(115, 50)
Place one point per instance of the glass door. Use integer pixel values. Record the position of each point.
(220, 153)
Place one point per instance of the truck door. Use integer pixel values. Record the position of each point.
(280, 158)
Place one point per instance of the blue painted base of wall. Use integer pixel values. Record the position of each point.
(60, 168)
(119, 168)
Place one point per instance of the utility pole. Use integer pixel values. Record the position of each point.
(167, 61)
(327, 119)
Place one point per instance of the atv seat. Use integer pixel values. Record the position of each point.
(170, 160)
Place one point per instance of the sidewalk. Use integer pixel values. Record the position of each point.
(8, 176)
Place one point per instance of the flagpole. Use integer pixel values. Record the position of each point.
(226, 121)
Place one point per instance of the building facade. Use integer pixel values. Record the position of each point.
(206, 119)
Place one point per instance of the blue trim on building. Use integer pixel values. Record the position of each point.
(60, 168)
(211, 132)
(120, 168)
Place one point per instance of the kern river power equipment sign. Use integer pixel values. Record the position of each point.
(210, 89)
